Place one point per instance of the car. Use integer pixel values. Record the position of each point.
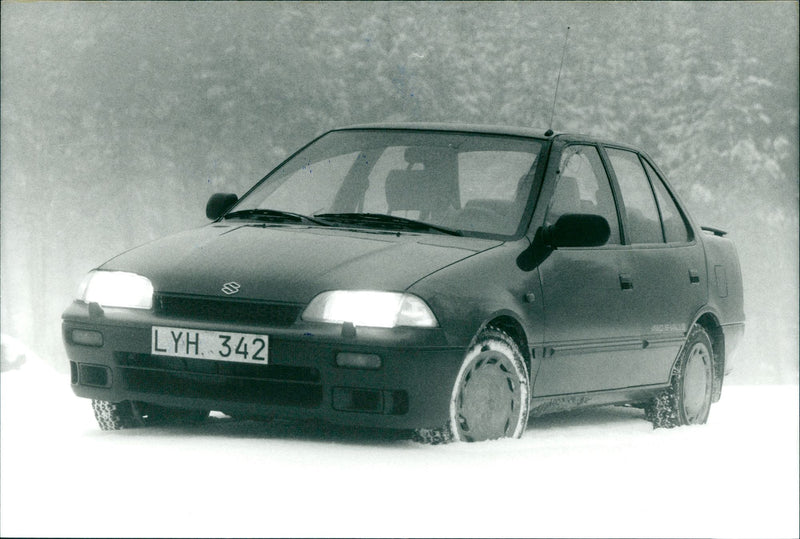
(450, 281)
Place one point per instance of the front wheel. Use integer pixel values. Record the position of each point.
(116, 415)
(490, 397)
(688, 399)
(131, 414)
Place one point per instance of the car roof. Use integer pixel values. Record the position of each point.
(489, 129)
(469, 128)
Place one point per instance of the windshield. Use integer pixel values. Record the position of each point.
(463, 182)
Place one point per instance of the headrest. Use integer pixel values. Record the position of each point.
(427, 154)
(568, 187)
(417, 190)
(567, 198)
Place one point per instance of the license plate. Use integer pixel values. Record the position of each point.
(216, 345)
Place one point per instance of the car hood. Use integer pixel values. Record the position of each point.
(290, 263)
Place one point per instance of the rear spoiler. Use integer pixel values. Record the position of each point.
(715, 231)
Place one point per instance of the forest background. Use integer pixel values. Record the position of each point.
(119, 120)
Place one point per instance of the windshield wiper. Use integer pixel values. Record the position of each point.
(380, 220)
(269, 215)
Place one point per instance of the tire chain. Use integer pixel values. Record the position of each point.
(441, 435)
(111, 416)
(662, 411)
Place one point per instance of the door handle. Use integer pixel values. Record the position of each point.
(625, 281)
(694, 277)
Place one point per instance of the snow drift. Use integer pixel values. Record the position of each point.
(596, 472)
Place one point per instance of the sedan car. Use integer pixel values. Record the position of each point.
(452, 281)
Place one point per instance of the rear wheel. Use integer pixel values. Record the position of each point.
(490, 395)
(688, 399)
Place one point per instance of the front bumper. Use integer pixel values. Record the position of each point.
(411, 389)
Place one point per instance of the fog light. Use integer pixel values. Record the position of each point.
(94, 375)
(347, 399)
(87, 338)
(358, 361)
(375, 401)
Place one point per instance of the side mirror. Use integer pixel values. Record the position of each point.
(578, 230)
(219, 203)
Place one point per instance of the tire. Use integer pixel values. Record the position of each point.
(129, 415)
(115, 415)
(490, 396)
(688, 399)
(435, 436)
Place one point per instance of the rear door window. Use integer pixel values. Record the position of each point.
(675, 228)
(643, 223)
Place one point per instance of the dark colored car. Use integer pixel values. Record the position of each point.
(450, 280)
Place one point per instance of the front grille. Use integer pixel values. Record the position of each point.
(277, 385)
(227, 310)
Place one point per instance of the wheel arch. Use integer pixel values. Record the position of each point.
(710, 323)
(509, 324)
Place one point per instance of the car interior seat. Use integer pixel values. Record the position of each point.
(429, 184)
(566, 199)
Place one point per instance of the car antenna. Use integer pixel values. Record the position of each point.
(558, 79)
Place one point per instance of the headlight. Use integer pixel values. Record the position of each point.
(370, 308)
(117, 289)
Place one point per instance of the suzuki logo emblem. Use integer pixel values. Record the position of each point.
(231, 288)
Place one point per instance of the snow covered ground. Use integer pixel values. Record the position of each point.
(599, 472)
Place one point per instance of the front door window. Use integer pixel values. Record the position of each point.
(583, 188)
